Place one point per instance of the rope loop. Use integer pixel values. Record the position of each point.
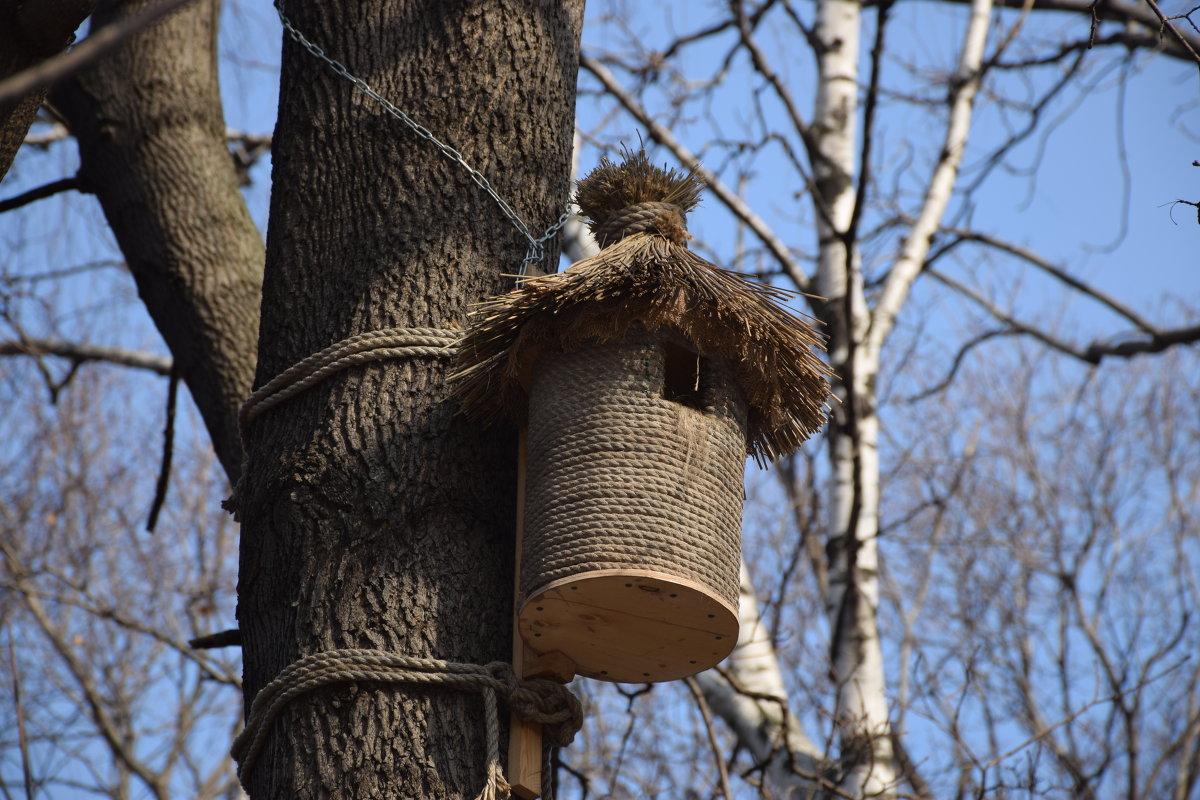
(540, 700)
(648, 217)
(359, 349)
(363, 348)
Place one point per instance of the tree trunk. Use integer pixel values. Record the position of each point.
(151, 136)
(372, 515)
(30, 33)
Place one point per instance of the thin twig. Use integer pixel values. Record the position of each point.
(706, 713)
(79, 353)
(1179, 37)
(164, 472)
(1048, 729)
(23, 742)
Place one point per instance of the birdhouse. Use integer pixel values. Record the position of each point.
(643, 378)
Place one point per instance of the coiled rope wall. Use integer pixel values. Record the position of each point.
(622, 478)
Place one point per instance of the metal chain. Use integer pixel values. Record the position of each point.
(536, 251)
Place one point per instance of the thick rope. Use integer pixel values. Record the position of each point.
(541, 700)
(361, 349)
(639, 218)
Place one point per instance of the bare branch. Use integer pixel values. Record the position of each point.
(42, 192)
(702, 704)
(1095, 352)
(1047, 729)
(916, 244)
(959, 357)
(80, 353)
(164, 472)
(229, 638)
(1156, 343)
(686, 157)
(1032, 258)
(1013, 323)
(1184, 46)
(118, 743)
(748, 693)
(22, 740)
(1177, 34)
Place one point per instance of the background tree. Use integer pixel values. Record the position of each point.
(988, 483)
(873, 241)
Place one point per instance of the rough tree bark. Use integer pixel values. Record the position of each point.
(372, 515)
(151, 135)
(29, 33)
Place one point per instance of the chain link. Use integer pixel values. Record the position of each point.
(536, 252)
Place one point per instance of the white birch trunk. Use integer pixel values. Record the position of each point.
(857, 339)
(856, 654)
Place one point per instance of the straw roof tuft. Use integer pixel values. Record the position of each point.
(650, 279)
(611, 188)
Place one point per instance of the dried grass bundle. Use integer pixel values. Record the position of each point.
(650, 279)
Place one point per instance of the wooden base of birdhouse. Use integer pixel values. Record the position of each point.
(631, 626)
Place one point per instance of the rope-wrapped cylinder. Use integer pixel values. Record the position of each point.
(632, 543)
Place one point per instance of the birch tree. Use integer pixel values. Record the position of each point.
(833, 153)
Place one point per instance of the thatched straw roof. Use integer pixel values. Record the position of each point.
(650, 279)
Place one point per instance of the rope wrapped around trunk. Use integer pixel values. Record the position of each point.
(541, 700)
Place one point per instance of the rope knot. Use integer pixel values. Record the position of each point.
(665, 219)
(542, 700)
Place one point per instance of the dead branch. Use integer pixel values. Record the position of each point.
(706, 713)
(41, 192)
(80, 353)
(688, 159)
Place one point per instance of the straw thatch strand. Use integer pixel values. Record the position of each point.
(647, 280)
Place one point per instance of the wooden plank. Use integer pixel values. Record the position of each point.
(631, 626)
(524, 738)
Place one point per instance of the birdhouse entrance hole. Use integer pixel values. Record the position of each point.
(681, 375)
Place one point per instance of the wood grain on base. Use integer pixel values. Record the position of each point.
(631, 626)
